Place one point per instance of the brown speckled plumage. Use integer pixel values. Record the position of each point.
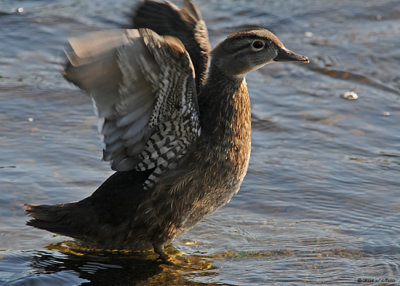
(193, 149)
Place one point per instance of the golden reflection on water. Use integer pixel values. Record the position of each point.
(122, 266)
(144, 268)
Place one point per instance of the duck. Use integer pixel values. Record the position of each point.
(175, 122)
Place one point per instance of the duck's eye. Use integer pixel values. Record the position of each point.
(257, 45)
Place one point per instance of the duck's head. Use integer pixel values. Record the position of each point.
(249, 50)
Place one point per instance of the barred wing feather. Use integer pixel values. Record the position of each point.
(143, 87)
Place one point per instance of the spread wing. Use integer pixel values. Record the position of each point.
(186, 24)
(143, 87)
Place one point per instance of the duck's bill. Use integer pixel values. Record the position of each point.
(285, 55)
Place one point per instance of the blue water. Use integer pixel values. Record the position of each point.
(321, 201)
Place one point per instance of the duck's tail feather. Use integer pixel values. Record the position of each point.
(61, 218)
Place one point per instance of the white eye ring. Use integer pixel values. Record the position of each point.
(257, 45)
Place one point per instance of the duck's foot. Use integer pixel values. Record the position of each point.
(159, 249)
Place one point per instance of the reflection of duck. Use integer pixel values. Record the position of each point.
(112, 267)
(180, 145)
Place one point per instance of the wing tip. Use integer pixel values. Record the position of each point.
(189, 6)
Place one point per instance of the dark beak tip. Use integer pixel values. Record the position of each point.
(285, 55)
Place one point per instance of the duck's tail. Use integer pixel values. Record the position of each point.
(61, 218)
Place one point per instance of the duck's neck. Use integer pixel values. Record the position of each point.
(225, 109)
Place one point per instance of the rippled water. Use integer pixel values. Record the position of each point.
(321, 201)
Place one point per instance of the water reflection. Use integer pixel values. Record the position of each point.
(66, 264)
(117, 267)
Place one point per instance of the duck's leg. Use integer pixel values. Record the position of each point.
(159, 249)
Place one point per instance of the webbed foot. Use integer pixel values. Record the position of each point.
(159, 249)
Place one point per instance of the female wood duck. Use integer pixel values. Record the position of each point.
(178, 140)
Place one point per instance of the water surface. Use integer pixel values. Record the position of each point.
(321, 200)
